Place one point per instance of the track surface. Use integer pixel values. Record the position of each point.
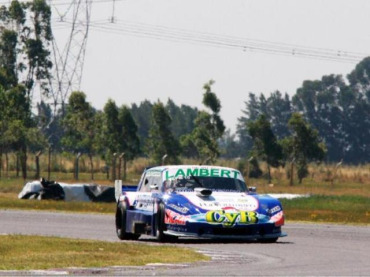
(309, 249)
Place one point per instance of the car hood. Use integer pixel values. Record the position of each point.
(197, 208)
(224, 200)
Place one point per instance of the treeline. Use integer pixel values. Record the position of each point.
(338, 107)
(161, 132)
(328, 119)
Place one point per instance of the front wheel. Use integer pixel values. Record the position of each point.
(121, 223)
(161, 226)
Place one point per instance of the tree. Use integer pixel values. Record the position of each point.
(201, 141)
(340, 112)
(112, 135)
(303, 146)
(8, 59)
(358, 111)
(79, 126)
(209, 128)
(266, 146)
(279, 111)
(161, 141)
(3, 143)
(211, 101)
(50, 125)
(17, 128)
(174, 112)
(111, 127)
(360, 77)
(128, 138)
(142, 115)
(182, 118)
(319, 102)
(229, 146)
(250, 113)
(24, 44)
(24, 38)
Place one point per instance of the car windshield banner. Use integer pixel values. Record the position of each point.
(201, 171)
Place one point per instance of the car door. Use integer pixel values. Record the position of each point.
(144, 201)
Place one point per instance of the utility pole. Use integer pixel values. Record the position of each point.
(69, 59)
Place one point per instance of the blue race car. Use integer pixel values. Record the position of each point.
(198, 201)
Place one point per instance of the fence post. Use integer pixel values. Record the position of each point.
(37, 175)
(114, 166)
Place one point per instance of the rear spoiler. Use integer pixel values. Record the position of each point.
(119, 188)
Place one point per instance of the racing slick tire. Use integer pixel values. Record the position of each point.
(161, 226)
(121, 223)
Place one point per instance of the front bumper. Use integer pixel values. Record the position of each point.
(204, 230)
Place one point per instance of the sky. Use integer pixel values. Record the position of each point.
(133, 59)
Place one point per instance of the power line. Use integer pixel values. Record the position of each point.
(219, 41)
(202, 38)
(63, 2)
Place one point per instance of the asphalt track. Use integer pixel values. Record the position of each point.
(309, 249)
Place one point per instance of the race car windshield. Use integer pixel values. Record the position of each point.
(212, 183)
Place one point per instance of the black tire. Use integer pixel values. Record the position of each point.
(121, 223)
(161, 226)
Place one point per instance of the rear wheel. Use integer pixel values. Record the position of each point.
(121, 223)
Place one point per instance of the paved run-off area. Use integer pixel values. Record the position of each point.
(309, 249)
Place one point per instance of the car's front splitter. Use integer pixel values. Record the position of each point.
(203, 230)
(243, 237)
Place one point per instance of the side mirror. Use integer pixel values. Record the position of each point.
(252, 189)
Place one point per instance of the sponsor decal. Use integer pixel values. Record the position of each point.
(243, 202)
(177, 228)
(175, 218)
(230, 217)
(144, 201)
(275, 209)
(183, 210)
(203, 172)
(144, 198)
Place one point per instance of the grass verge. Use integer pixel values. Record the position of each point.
(328, 208)
(52, 253)
(342, 202)
(11, 201)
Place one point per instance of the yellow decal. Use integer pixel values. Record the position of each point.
(229, 219)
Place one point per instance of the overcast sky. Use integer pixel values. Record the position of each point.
(128, 66)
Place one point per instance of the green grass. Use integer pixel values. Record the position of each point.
(316, 208)
(10, 201)
(328, 208)
(11, 187)
(346, 200)
(35, 252)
